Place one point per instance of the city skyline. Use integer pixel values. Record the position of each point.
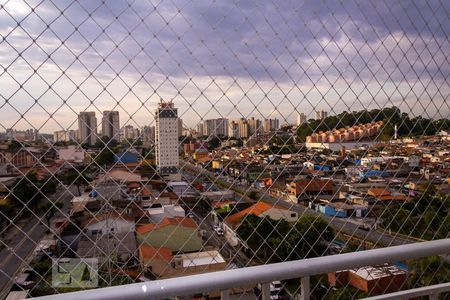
(116, 125)
(272, 83)
(194, 149)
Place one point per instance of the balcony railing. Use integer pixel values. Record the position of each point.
(225, 280)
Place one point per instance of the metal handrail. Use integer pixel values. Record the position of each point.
(224, 280)
(414, 293)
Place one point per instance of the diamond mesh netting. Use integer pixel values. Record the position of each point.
(143, 140)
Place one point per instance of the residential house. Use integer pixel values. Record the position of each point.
(120, 245)
(162, 264)
(311, 186)
(71, 153)
(201, 155)
(109, 222)
(157, 212)
(371, 279)
(385, 196)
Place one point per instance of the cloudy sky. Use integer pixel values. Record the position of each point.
(219, 58)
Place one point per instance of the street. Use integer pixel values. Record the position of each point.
(14, 257)
(212, 238)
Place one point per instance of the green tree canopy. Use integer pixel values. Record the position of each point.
(278, 240)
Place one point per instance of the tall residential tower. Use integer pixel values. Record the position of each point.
(301, 119)
(111, 125)
(166, 138)
(87, 126)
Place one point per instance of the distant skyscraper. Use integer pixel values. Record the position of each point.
(215, 127)
(180, 127)
(148, 133)
(233, 129)
(128, 132)
(320, 115)
(301, 119)
(200, 128)
(244, 128)
(60, 136)
(255, 126)
(87, 126)
(72, 135)
(271, 125)
(111, 125)
(167, 148)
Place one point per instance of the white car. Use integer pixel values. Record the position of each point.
(276, 290)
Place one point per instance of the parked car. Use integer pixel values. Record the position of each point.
(365, 227)
(276, 290)
(219, 231)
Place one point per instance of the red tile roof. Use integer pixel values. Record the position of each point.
(378, 192)
(146, 192)
(148, 252)
(256, 209)
(176, 221)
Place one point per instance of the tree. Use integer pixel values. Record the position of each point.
(77, 177)
(105, 157)
(6, 209)
(50, 208)
(309, 236)
(213, 143)
(277, 240)
(391, 116)
(26, 190)
(47, 186)
(203, 206)
(253, 195)
(14, 145)
(428, 271)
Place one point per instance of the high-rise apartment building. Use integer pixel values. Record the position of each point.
(301, 119)
(128, 132)
(167, 148)
(320, 115)
(65, 136)
(255, 126)
(233, 129)
(271, 125)
(215, 127)
(87, 126)
(244, 128)
(60, 136)
(200, 128)
(111, 125)
(148, 133)
(180, 127)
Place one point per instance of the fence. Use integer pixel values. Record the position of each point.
(146, 140)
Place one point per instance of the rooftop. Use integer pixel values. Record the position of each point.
(256, 209)
(376, 272)
(200, 258)
(175, 221)
(148, 252)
